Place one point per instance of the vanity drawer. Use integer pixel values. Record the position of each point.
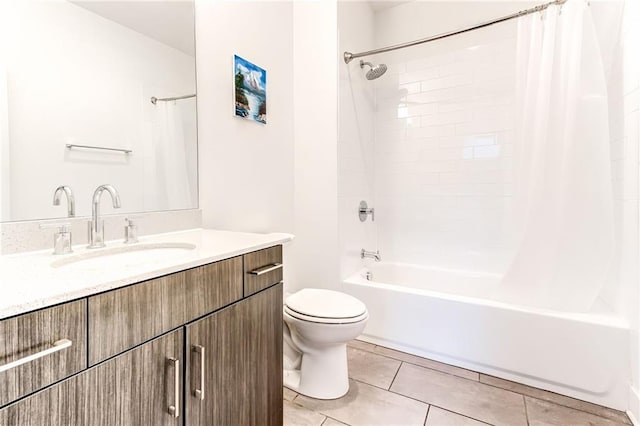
(42, 347)
(262, 269)
(121, 319)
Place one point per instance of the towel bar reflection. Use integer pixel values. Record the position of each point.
(154, 100)
(102, 148)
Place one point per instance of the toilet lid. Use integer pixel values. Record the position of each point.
(319, 303)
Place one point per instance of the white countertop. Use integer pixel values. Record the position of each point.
(29, 282)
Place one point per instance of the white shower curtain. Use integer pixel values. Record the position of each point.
(169, 147)
(562, 203)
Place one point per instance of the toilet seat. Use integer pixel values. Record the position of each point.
(325, 306)
(321, 320)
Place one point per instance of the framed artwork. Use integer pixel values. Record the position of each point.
(250, 84)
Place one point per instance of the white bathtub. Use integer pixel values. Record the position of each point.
(445, 315)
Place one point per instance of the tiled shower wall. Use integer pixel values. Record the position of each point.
(443, 153)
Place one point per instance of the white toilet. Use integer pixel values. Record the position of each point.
(317, 326)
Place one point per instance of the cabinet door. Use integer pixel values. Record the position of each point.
(234, 364)
(138, 387)
(135, 388)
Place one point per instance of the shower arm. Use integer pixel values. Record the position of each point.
(348, 56)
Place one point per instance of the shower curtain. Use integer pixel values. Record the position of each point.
(562, 203)
(169, 148)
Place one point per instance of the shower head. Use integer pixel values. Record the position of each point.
(375, 71)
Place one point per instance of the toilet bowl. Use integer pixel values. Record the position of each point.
(317, 326)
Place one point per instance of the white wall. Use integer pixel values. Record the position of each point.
(356, 106)
(316, 258)
(75, 77)
(246, 170)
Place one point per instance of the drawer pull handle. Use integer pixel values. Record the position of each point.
(174, 409)
(58, 345)
(265, 269)
(199, 393)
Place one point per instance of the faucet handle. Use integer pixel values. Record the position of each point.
(62, 238)
(131, 230)
(131, 220)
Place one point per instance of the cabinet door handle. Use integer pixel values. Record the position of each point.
(174, 409)
(265, 269)
(199, 393)
(58, 345)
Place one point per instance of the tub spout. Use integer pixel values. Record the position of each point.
(375, 255)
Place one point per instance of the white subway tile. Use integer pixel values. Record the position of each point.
(448, 106)
(413, 76)
(424, 132)
(632, 101)
(445, 82)
(424, 109)
(440, 95)
(430, 62)
(445, 118)
(490, 151)
(458, 67)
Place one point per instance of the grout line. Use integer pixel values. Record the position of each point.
(460, 414)
(422, 366)
(336, 420)
(427, 416)
(552, 401)
(395, 375)
(390, 391)
(419, 400)
(526, 410)
(577, 409)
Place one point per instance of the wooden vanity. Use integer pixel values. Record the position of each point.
(202, 346)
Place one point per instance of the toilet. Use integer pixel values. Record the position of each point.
(317, 326)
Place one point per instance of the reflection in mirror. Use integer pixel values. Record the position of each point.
(80, 75)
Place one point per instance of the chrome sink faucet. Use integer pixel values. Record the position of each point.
(96, 226)
(71, 201)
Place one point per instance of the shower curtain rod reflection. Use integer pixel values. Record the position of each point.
(348, 56)
(154, 99)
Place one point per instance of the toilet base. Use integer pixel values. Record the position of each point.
(323, 373)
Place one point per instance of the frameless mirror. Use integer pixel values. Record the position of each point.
(77, 80)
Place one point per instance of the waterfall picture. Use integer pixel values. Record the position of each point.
(250, 83)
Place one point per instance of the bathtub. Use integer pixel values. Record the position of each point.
(445, 315)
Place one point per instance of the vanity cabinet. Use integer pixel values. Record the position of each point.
(190, 348)
(234, 366)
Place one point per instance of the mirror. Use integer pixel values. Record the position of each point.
(77, 80)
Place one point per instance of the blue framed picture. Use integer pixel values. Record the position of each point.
(250, 83)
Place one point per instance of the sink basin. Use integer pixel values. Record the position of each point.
(122, 257)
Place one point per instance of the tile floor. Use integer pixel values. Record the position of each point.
(394, 388)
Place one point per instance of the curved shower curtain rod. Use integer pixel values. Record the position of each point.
(348, 56)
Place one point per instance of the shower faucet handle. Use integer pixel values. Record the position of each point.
(364, 211)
